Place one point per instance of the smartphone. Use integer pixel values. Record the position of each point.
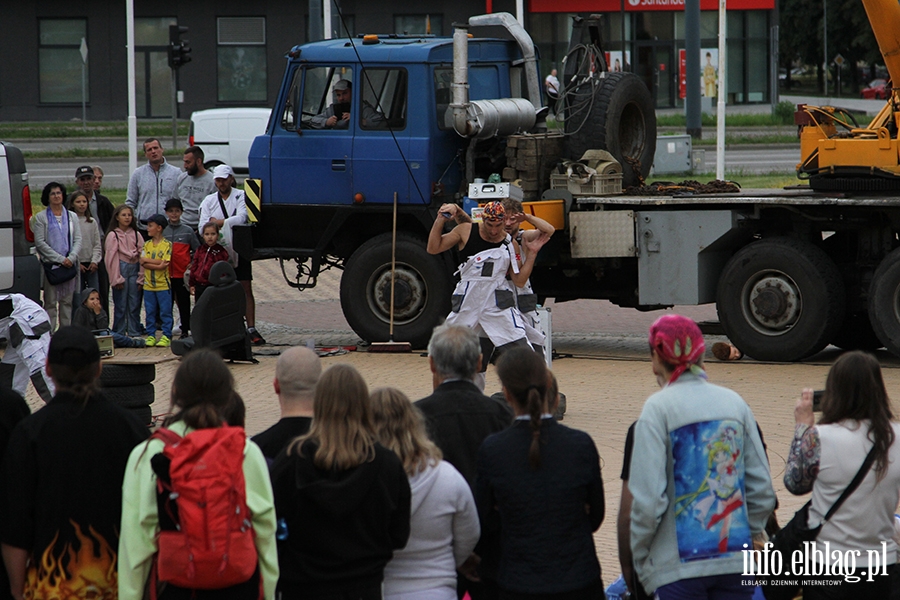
(817, 400)
(446, 215)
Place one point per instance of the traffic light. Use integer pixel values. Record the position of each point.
(179, 50)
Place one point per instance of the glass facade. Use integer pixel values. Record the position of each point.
(241, 59)
(153, 82)
(654, 41)
(419, 24)
(59, 61)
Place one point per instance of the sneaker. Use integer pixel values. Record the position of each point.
(138, 342)
(151, 340)
(255, 338)
(164, 342)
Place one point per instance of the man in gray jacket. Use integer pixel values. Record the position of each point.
(151, 185)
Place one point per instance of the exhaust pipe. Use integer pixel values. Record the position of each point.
(526, 45)
(460, 86)
(489, 118)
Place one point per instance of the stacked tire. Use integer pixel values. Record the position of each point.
(131, 387)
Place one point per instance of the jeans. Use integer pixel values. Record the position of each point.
(182, 296)
(91, 280)
(127, 313)
(159, 301)
(121, 341)
(713, 587)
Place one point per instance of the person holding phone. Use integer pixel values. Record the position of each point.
(337, 115)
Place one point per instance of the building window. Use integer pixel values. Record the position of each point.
(241, 59)
(59, 60)
(418, 24)
(340, 28)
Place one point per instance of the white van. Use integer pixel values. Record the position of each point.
(20, 270)
(225, 134)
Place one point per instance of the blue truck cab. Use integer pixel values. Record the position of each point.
(326, 188)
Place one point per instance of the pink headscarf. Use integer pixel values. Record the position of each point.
(678, 342)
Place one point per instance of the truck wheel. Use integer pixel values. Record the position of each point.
(856, 333)
(126, 375)
(780, 299)
(421, 298)
(622, 120)
(884, 302)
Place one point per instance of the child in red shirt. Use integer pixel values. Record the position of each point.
(204, 258)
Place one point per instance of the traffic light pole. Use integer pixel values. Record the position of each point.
(179, 54)
(174, 109)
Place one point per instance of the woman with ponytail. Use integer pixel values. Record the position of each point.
(204, 402)
(539, 484)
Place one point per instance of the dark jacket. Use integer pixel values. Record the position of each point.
(85, 317)
(105, 210)
(459, 417)
(546, 541)
(337, 529)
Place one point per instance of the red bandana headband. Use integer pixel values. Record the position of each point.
(678, 341)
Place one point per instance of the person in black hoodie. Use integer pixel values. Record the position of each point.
(342, 500)
(90, 315)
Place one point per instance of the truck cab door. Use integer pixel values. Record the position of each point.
(383, 130)
(311, 158)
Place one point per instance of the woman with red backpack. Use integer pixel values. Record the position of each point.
(198, 517)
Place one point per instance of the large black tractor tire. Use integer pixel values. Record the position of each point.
(618, 116)
(422, 291)
(780, 299)
(884, 302)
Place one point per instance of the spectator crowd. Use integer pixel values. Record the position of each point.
(365, 495)
(357, 494)
(154, 252)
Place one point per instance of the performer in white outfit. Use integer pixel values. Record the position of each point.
(485, 299)
(526, 299)
(26, 326)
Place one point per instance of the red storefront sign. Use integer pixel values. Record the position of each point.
(601, 6)
(682, 73)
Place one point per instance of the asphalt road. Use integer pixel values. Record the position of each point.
(749, 160)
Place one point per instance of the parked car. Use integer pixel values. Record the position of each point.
(225, 134)
(20, 271)
(876, 90)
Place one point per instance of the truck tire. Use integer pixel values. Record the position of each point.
(422, 296)
(622, 121)
(780, 299)
(126, 375)
(884, 302)
(136, 396)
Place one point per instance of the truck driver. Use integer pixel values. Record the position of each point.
(337, 116)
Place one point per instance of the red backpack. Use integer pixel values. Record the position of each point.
(213, 544)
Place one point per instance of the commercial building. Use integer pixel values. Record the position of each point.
(238, 48)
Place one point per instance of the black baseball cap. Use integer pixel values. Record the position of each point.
(83, 172)
(159, 220)
(174, 203)
(73, 347)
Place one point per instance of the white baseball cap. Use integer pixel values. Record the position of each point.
(222, 172)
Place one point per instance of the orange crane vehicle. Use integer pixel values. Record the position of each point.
(837, 154)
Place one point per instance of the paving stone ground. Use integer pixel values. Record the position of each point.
(603, 369)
